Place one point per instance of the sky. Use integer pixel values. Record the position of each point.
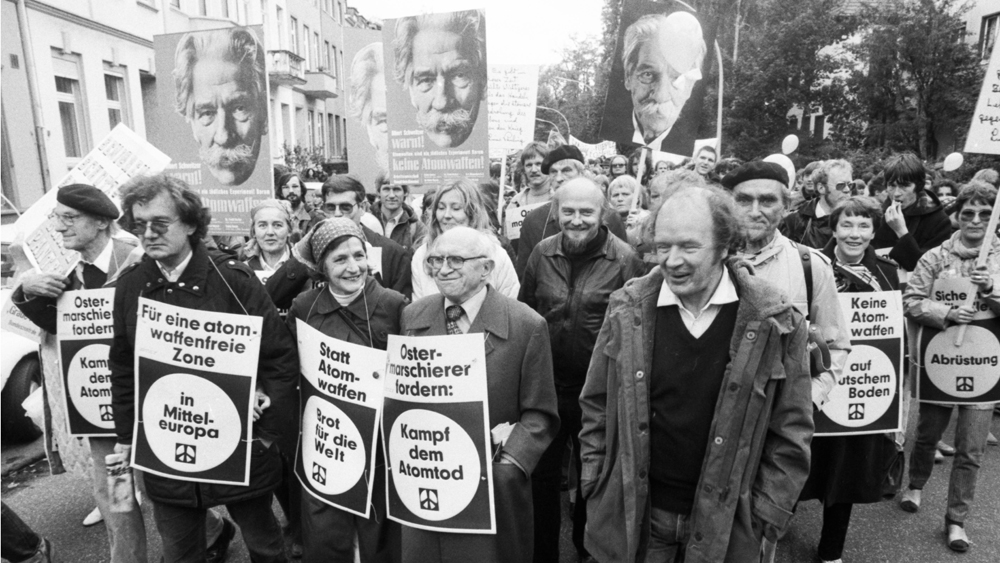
(517, 31)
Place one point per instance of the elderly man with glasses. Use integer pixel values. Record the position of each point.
(810, 225)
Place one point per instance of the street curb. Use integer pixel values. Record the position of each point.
(21, 463)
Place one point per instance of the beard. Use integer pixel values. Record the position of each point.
(574, 245)
(456, 124)
(655, 118)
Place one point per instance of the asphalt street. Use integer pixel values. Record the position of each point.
(55, 505)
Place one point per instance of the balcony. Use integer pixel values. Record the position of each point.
(319, 84)
(285, 67)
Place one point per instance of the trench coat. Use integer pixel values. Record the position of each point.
(521, 392)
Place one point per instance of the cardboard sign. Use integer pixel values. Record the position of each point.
(984, 131)
(866, 398)
(119, 157)
(85, 333)
(968, 374)
(342, 386)
(435, 423)
(438, 117)
(513, 96)
(682, 43)
(228, 163)
(13, 320)
(515, 217)
(195, 373)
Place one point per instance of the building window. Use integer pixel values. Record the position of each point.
(286, 124)
(202, 7)
(279, 23)
(72, 110)
(114, 92)
(988, 35)
(225, 8)
(305, 46)
(326, 56)
(319, 134)
(315, 50)
(312, 128)
(340, 67)
(294, 37)
(339, 143)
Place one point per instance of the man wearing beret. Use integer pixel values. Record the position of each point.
(564, 162)
(762, 201)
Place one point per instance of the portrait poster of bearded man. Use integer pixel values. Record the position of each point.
(211, 119)
(367, 120)
(436, 88)
(662, 56)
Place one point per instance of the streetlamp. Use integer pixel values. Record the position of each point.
(568, 133)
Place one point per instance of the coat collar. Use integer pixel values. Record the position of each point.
(552, 246)
(493, 318)
(194, 278)
(360, 308)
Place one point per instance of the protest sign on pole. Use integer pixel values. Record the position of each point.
(195, 374)
(513, 91)
(211, 117)
(341, 398)
(367, 128)
(968, 374)
(984, 131)
(515, 218)
(679, 41)
(438, 114)
(85, 332)
(435, 423)
(119, 157)
(867, 397)
(593, 152)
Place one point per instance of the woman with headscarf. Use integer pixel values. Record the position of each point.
(352, 307)
(269, 247)
(461, 204)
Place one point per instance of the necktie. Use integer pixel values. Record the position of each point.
(93, 277)
(453, 313)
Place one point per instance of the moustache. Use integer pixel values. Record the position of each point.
(665, 110)
(453, 121)
(227, 157)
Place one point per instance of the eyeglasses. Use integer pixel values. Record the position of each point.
(158, 226)
(843, 186)
(345, 208)
(454, 262)
(969, 215)
(618, 165)
(67, 220)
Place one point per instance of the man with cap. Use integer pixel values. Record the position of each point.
(85, 217)
(563, 163)
(802, 273)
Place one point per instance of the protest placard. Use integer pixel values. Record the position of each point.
(513, 93)
(85, 332)
(435, 423)
(119, 157)
(195, 378)
(593, 152)
(207, 76)
(13, 320)
(633, 111)
(341, 389)
(437, 115)
(966, 374)
(984, 132)
(515, 217)
(867, 396)
(367, 128)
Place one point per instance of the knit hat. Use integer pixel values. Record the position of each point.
(309, 251)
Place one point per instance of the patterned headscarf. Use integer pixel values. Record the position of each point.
(252, 248)
(310, 249)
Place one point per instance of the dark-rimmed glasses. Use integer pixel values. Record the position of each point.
(345, 208)
(969, 215)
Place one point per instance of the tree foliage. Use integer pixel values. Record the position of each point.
(571, 89)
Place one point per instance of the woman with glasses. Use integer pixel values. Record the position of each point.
(461, 204)
(271, 226)
(352, 307)
(956, 258)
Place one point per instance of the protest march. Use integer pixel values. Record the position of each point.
(606, 308)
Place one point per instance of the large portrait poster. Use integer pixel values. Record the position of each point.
(866, 398)
(657, 79)
(968, 374)
(436, 94)
(211, 118)
(195, 377)
(341, 394)
(85, 332)
(435, 423)
(367, 127)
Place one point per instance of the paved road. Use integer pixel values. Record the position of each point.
(880, 533)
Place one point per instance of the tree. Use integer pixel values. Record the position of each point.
(571, 89)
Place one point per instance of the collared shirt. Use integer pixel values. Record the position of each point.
(267, 267)
(698, 323)
(392, 221)
(175, 274)
(103, 261)
(470, 309)
(637, 137)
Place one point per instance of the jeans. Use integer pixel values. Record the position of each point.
(970, 442)
(183, 530)
(669, 533)
(126, 530)
(19, 541)
(546, 483)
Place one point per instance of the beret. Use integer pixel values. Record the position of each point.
(87, 199)
(562, 152)
(756, 170)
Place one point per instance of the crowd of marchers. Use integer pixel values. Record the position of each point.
(648, 334)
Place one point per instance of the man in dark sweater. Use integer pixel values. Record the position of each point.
(568, 281)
